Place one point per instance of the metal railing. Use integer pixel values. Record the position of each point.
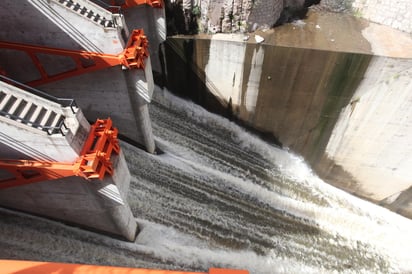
(59, 128)
(64, 102)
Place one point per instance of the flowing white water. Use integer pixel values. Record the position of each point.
(220, 197)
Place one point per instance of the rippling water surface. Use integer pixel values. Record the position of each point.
(220, 197)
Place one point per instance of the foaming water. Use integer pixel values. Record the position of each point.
(221, 197)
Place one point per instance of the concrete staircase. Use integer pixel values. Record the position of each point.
(38, 125)
(31, 113)
(47, 114)
(91, 11)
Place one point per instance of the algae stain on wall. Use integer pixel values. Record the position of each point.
(296, 94)
(371, 139)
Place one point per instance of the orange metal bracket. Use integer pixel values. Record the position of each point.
(132, 57)
(102, 141)
(134, 3)
(93, 163)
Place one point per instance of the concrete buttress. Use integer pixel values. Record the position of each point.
(76, 25)
(35, 128)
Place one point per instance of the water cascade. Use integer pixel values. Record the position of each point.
(219, 196)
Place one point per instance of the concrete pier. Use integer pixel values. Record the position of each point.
(119, 92)
(95, 204)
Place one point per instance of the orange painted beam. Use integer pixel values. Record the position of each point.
(31, 267)
(25, 172)
(132, 57)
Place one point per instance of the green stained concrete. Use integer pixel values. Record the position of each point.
(300, 88)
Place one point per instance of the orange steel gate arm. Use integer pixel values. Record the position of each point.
(93, 163)
(132, 57)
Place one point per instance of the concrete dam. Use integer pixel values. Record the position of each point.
(94, 153)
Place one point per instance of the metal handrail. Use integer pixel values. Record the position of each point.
(64, 102)
(49, 129)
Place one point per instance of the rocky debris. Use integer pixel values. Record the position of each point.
(232, 16)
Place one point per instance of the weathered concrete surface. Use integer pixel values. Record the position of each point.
(372, 138)
(48, 23)
(38, 144)
(94, 204)
(317, 86)
(97, 205)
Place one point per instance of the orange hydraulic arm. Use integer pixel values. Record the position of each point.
(30, 267)
(93, 163)
(133, 56)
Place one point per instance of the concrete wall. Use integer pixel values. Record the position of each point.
(372, 138)
(94, 204)
(343, 104)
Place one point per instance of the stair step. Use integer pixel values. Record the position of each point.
(5, 101)
(15, 106)
(90, 14)
(108, 23)
(96, 18)
(40, 116)
(18, 112)
(35, 114)
(2, 95)
(46, 117)
(9, 104)
(26, 111)
(56, 120)
(86, 12)
(76, 7)
(50, 119)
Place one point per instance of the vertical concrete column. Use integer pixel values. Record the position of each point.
(140, 87)
(111, 194)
